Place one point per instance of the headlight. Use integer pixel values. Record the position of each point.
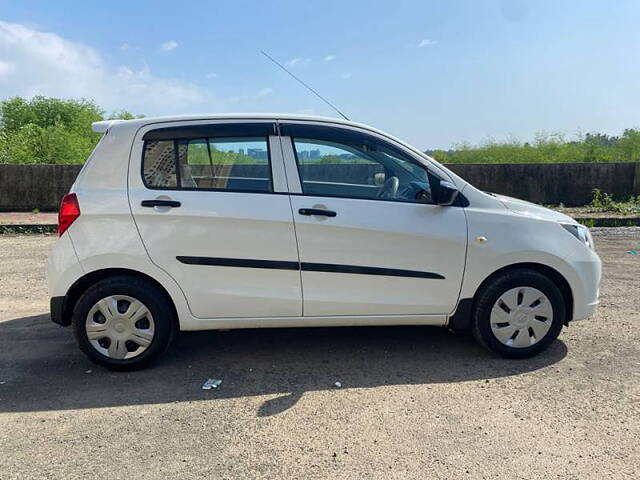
(580, 232)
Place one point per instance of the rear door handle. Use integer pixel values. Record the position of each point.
(160, 203)
(317, 211)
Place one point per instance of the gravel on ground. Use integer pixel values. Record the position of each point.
(412, 403)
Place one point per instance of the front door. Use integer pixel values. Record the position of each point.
(207, 206)
(371, 240)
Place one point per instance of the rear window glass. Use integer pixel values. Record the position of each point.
(159, 169)
(232, 164)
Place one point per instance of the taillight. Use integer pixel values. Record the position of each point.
(69, 211)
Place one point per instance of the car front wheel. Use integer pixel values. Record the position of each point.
(518, 314)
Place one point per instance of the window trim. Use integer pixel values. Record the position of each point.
(176, 162)
(385, 143)
(211, 130)
(285, 127)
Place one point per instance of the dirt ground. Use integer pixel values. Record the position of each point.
(414, 403)
(28, 218)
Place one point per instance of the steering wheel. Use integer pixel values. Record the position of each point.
(390, 188)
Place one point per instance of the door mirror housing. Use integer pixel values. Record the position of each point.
(447, 193)
(423, 196)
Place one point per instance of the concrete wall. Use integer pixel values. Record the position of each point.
(25, 187)
(553, 183)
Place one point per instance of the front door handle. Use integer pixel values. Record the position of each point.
(160, 203)
(317, 211)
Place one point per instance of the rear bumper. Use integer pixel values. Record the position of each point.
(56, 305)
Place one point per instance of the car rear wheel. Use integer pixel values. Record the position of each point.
(123, 323)
(518, 314)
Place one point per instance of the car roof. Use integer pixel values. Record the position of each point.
(103, 126)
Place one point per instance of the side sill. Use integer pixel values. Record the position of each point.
(460, 321)
(298, 322)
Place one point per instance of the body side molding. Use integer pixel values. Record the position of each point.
(307, 267)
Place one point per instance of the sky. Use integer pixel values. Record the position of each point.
(434, 73)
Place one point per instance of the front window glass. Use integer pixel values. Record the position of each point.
(359, 170)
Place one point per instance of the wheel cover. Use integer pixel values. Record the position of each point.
(120, 327)
(521, 317)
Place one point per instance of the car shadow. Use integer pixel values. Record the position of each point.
(41, 368)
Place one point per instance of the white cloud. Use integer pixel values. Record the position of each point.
(169, 45)
(298, 62)
(6, 69)
(346, 75)
(126, 47)
(265, 91)
(329, 58)
(427, 42)
(53, 66)
(213, 75)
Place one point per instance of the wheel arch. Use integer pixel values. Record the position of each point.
(461, 319)
(83, 283)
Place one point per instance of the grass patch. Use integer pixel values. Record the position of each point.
(603, 202)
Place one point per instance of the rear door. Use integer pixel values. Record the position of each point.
(210, 203)
(371, 239)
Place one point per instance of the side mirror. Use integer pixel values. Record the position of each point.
(447, 193)
(423, 196)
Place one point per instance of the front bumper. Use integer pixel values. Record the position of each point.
(587, 311)
(585, 284)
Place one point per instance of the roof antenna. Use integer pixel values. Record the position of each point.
(305, 85)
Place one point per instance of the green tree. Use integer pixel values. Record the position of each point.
(53, 130)
(124, 115)
(548, 148)
(628, 146)
(47, 130)
(47, 112)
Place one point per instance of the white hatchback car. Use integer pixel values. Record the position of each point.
(262, 221)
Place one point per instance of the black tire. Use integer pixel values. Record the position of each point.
(489, 295)
(151, 296)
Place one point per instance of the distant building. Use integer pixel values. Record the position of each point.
(309, 154)
(257, 153)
